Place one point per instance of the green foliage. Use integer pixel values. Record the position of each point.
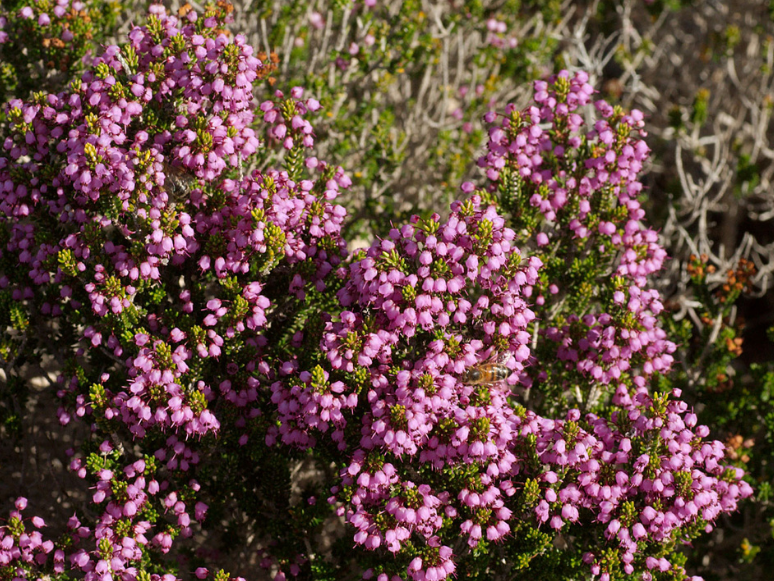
(46, 57)
(382, 102)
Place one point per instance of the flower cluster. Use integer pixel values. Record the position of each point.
(418, 294)
(164, 257)
(286, 123)
(436, 456)
(55, 33)
(285, 118)
(646, 474)
(25, 551)
(579, 192)
(496, 30)
(415, 285)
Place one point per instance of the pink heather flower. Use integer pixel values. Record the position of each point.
(38, 522)
(316, 20)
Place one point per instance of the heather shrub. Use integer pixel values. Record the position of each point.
(404, 87)
(700, 73)
(734, 396)
(42, 43)
(252, 396)
(699, 76)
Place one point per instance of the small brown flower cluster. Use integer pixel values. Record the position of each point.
(737, 281)
(270, 63)
(698, 269)
(734, 346)
(737, 447)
